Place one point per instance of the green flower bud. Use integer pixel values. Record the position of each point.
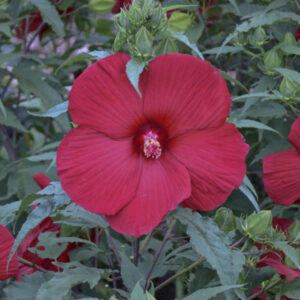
(257, 224)
(258, 38)
(287, 87)
(167, 45)
(272, 59)
(144, 41)
(289, 39)
(102, 6)
(294, 232)
(118, 42)
(179, 21)
(240, 39)
(225, 219)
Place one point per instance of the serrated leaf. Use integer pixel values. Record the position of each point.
(20, 289)
(79, 216)
(256, 95)
(134, 69)
(54, 111)
(131, 275)
(253, 124)
(61, 283)
(210, 293)
(182, 38)
(288, 251)
(50, 15)
(209, 241)
(11, 120)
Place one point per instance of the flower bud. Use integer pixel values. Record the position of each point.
(143, 41)
(167, 45)
(272, 59)
(287, 87)
(258, 38)
(102, 6)
(225, 219)
(240, 39)
(257, 224)
(289, 39)
(179, 21)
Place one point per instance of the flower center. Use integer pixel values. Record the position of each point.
(152, 148)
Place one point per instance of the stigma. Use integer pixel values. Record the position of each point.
(152, 148)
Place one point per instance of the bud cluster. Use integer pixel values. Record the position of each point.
(139, 27)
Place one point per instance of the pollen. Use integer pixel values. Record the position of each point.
(152, 147)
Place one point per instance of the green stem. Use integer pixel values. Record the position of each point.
(188, 268)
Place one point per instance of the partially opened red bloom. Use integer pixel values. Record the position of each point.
(297, 34)
(6, 243)
(121, 4)
(282, 171)
(276, 258)
(135, 159)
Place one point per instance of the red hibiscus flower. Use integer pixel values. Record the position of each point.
(135, 159)
(121, 4)
(276, 258)
(297, 34)
(282, 171)
(6, 243)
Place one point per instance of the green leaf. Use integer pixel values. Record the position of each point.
(263, 96)
(20, 289)
(224, 50)
(178, 6)
(233, 3)
(100, 54)
(210, 293)
(253, 124)
(11, 120)
(182, 38)
(50, 15)
(4, 28)
(7, 57)
(41, 157)
(212, 243)
(249, 194)
(8, 212)
(288, 251)
(54, 111)
(138, 293)
(290, 49)
(134, 69)
(292, 74)
(291, 289)
(78, 216)
(60, 284)
(131, 275)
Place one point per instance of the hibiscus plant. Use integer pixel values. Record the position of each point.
(149, 150)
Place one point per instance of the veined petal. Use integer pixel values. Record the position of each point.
(294, 136)
(6, 243)
(215, 159)
(103, 98)
(178, 104)
(98, 173)
(282, 176)
(164, 183)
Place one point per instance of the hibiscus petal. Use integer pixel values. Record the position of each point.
(164, 183)
(202, 101)
(103, 98)
(282, 269)
(294, 136)
(6, 243)
(41, 180)
(98, 173)
(215, 159)
(282, 176)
